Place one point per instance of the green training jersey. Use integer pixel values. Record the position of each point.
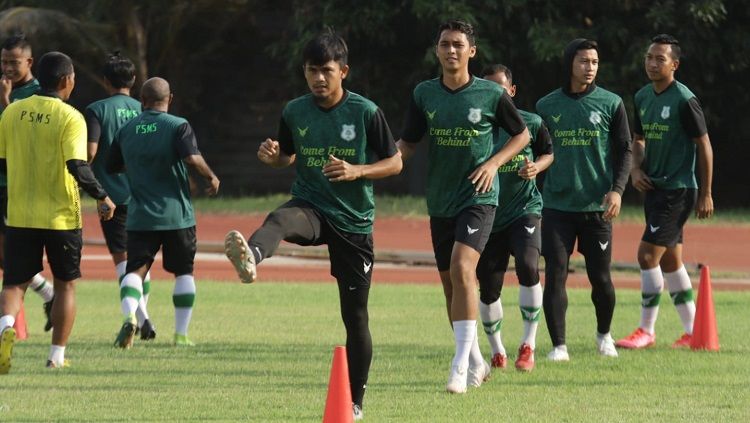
(103, 119)
(354, 130)
(518, 196)
(580, 127)
(668, 122)
(459, 125)
(151, 148)
(19, 93)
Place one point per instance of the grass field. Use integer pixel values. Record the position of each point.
(264, 354)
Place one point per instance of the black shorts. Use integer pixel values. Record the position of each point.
(114, 230)
(24, 249)
(472, 226)
(562, 229)
(3, 208)
(666, 213)
(525, 232)
(178, 249)
(351, 254)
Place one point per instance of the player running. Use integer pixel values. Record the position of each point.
(339, 142)
(582, 190)
(459, 113)
(517, 231)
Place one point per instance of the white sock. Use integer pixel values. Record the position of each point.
(681, 291)
(464, 333)
(7, 321)
(183, 298)
(530, 303)
(652, 283)
(56, 354)
(492, 322)
(131, 290)
(120, 268)
(475, 355)
(42, 287)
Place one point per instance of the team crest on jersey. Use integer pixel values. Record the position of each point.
(665, 112)
(595, 117)
(347, 132)
(475, 115)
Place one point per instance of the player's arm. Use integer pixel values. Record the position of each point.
(278, 153)
(620, 145)
(6, 86)
(187, 150)
(379, 140)
(415, 127)
(544, 157)
(638, 176)
(694, 122)
(510, 120)
(94, 132)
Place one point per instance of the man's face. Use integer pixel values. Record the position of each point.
(325, 80)
(503, 81)
(659, 62)
(585, 66)
(454, 51)
(68, 85)
(16, 64)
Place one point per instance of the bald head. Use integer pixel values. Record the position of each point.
(155, 91)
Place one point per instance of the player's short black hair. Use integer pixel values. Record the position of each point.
(498, 68)
(588, 45)
(52, 67)
(17, 41)
(326, 46)
(460, 26)
(672, 41)
(119, 71)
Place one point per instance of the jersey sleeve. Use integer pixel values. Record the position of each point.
(3, 143)
(692, 118)
(620, 145)
(415, 124)
(508, 117)
(184, 141)
(93, 126)
(542, 141)
(379, 136)
(285, 138)
(74, 138)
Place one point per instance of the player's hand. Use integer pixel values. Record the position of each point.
(612, 203)
(337, 170)
(529, 169)
(704, 207)
(269, 152)
(6, 86)
(105, 208)
(640, 180)
(483, 176)
(213, 186)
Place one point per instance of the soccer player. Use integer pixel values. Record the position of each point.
(43, 148)
(339, 142)
(459, 113)
(103, 119)
(16, 83)
(669, 130)
(582, 190)
(153, 150)
(516, 230)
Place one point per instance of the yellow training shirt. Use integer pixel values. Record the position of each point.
(37, 136)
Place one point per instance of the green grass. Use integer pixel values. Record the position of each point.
(264, 354)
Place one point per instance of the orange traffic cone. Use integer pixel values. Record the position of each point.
(339, 400)
(705, 334)
(20, 325)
